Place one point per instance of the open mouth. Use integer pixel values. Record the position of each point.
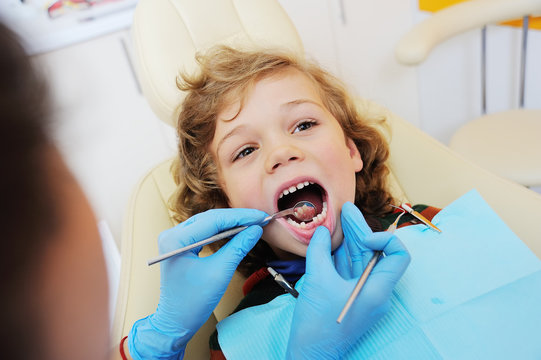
(304, 191)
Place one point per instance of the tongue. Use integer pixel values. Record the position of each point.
(305, 212)
(313, 196)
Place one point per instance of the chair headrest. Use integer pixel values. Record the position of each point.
(168, 33)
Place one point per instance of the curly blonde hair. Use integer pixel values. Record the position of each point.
(227, 75)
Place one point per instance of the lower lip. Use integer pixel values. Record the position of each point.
(304, 235)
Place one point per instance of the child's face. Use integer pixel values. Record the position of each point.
(284, 138)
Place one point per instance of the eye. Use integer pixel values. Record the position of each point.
(244, 152)
(304, 125)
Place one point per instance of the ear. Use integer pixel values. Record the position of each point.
(354, 154)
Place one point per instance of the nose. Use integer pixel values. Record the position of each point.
(281, 156)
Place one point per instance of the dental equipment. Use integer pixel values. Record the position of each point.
(283, 282)
(364, 276)
(303, 210)
(419, 217)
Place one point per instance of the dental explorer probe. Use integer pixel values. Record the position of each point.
(303, 210)
(283, 282)
(364, 276)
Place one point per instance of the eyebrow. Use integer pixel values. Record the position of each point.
(300, 102)
(228, 135)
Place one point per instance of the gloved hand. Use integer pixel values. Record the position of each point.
(315, 334)
(190, 286)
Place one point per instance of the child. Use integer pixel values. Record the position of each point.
(265, 130)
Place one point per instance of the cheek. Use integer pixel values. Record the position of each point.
(339, 165)
(337, 237)
(332, 149)
(243, 192)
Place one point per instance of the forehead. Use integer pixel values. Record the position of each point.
(284, 86)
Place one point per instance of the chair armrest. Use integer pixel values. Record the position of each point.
(415, 46)
(431, 173)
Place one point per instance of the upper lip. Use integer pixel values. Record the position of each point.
(290, 183)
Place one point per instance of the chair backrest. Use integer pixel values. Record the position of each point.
(168, 33)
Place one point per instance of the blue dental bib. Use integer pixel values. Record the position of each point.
(471, 292)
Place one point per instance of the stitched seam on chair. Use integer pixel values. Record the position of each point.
(165, 198)
(145, 70)
(234, 5)
(144, 66)
(125, 270)
(179, 13)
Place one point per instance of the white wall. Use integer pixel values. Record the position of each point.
(355, 40)
(450, 79)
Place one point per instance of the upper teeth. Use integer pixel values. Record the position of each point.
(294, 188)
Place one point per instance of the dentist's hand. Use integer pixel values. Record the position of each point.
(190, 286)
(315, 334)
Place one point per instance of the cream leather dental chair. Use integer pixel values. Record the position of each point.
(166, 35)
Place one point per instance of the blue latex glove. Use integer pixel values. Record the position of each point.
(315, 334)
(190, 286)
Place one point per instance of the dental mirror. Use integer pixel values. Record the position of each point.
(303, 211)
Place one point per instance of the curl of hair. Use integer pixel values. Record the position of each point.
(227, 75)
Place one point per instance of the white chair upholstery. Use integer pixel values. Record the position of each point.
(506, 143)
(166, 35)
